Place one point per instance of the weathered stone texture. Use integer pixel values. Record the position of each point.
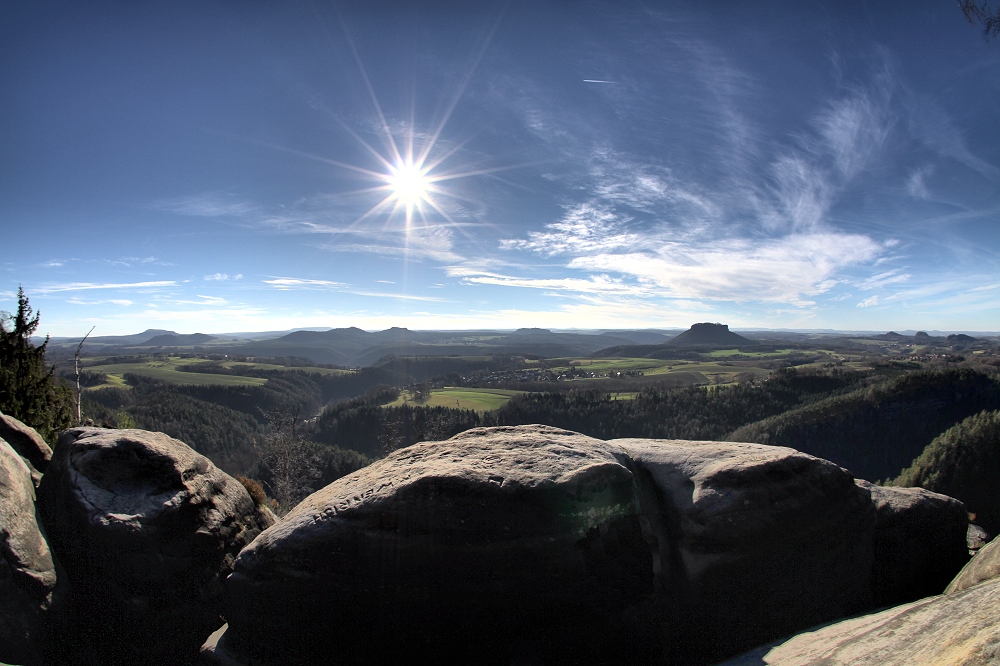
(147, 530)
(960, 629)
(28, 444)
(532, 544)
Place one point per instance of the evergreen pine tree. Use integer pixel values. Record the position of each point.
(28, 391)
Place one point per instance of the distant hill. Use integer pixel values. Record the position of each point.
(709, 335)
(355, 347)
(171, 339)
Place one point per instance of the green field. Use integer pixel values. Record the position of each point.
(752, 354)
(164, 368)
(692, 372)
(481, 400)
(271, 366)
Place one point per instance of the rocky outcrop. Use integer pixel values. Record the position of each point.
(27, 571)
(960, 629)
(763, 541)
(532, 544)
(985, 565)
(920, 542)
(146, 529)
(28, 444)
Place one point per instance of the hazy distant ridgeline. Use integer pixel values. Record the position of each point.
(845, 405)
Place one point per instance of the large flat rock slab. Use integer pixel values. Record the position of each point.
(960, 629)
(985, 565)
(147, 529)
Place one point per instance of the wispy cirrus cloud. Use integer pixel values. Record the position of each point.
(222, 277)
(869, 302)
(599, 284)
(123, 302)
(208, 204)
(288, 284)
(894, 276)
(85, 286)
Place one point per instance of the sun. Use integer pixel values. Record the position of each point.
(409, 184)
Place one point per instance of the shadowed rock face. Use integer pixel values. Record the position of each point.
(27, 572)
(532, 544)
(919, 542)
(763, 541)
(147, 529)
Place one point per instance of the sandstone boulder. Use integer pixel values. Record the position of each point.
(27, 572)
(532, 544)
(985, 565)
(495, 545)
(763, 541)
(28, 444)
(920, 543)
(961, 629)
(146, 529)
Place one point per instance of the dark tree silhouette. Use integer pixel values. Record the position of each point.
(979, 12)
(28, 391)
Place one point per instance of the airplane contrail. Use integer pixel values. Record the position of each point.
(596, 81)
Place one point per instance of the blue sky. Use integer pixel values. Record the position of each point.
(234, 166)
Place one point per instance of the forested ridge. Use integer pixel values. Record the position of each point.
(873, 423)
(878, 430)
(963, 462)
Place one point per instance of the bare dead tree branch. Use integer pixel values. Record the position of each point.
(76, 366)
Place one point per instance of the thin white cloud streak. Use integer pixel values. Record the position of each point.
(284, 283)
(287, 284)
(402, 297)
(883, 279)
(82, 286)
(123, 302)
(595, 284)
(222, 277)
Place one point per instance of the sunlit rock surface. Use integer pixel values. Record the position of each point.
(983, 566)
(146, 529)
(28, 444)
(532, 544)
(960, 629)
